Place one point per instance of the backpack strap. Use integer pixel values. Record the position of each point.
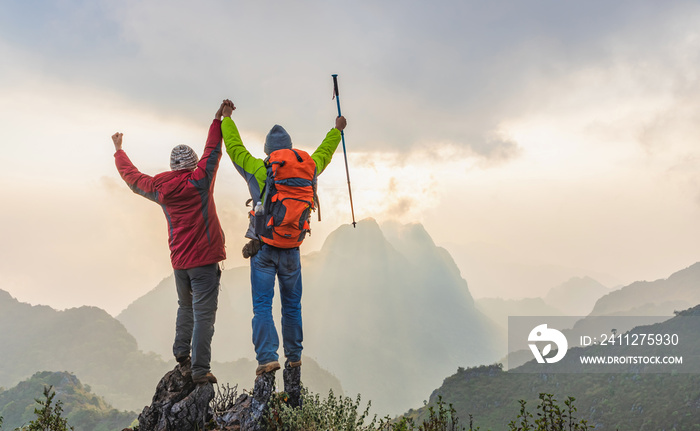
(299, 159)
(316, 200)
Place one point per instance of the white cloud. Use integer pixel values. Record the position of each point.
(453, 71)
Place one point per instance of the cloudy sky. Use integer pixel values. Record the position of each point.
(559, 137)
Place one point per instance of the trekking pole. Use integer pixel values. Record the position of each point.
(345, 154)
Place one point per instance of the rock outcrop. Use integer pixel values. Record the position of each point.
(248, 410)
(179, 405)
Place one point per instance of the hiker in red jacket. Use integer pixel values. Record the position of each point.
(186, 195)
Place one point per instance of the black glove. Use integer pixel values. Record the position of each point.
(252, 247)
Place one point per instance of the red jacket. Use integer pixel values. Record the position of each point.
(187, 198)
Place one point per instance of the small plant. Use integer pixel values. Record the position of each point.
(48, 416)
(550, 417)
(224, 399)
(333, 413)
(524, 416)
(444, 419)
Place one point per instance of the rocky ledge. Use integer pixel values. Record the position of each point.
(180, 405)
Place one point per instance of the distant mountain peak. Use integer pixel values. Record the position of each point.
(658, 297)
(576, 296)
(688, 272)
(366, 234)
(5, 296)
(414, 233)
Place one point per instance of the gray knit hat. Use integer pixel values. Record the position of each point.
(183, 157)
(277, 139)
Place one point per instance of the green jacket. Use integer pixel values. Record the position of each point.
(253, 169)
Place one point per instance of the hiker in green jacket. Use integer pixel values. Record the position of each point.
(269, 261)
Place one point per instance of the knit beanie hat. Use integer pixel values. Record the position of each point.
(183, 157)
(277, 139)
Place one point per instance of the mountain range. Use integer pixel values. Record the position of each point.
(654, 298)
(630, 397)
(641, 302)
(84, 410)
(386, 312)
(86, 341)
(97, 348)
(391, 313)
(384, 309)
(575, 297)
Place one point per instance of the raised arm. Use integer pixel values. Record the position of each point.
(247, 165)
(209, 163)
(139, 183)
(324, 153)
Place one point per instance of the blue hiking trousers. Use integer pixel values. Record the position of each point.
(265, 265)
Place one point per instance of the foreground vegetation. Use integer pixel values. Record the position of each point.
(629, 401)
(84, 410)
(343, 413)
(49, 415)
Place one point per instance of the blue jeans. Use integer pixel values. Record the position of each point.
(198, 298)
(285, 263)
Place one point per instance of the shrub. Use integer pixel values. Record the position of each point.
(344, 414)
(550, 418)
(48, 416)
(333, 413)
(444, 419)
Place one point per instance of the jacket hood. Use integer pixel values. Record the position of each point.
(172, 183)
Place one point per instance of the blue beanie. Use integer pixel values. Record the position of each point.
(277, 139)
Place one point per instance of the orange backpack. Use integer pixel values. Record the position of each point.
(289, 197)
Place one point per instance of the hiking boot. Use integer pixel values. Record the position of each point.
(292, 382)
(207, 378)
(184, 364)
(267, 368)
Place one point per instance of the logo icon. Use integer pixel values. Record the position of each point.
(542, 333)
